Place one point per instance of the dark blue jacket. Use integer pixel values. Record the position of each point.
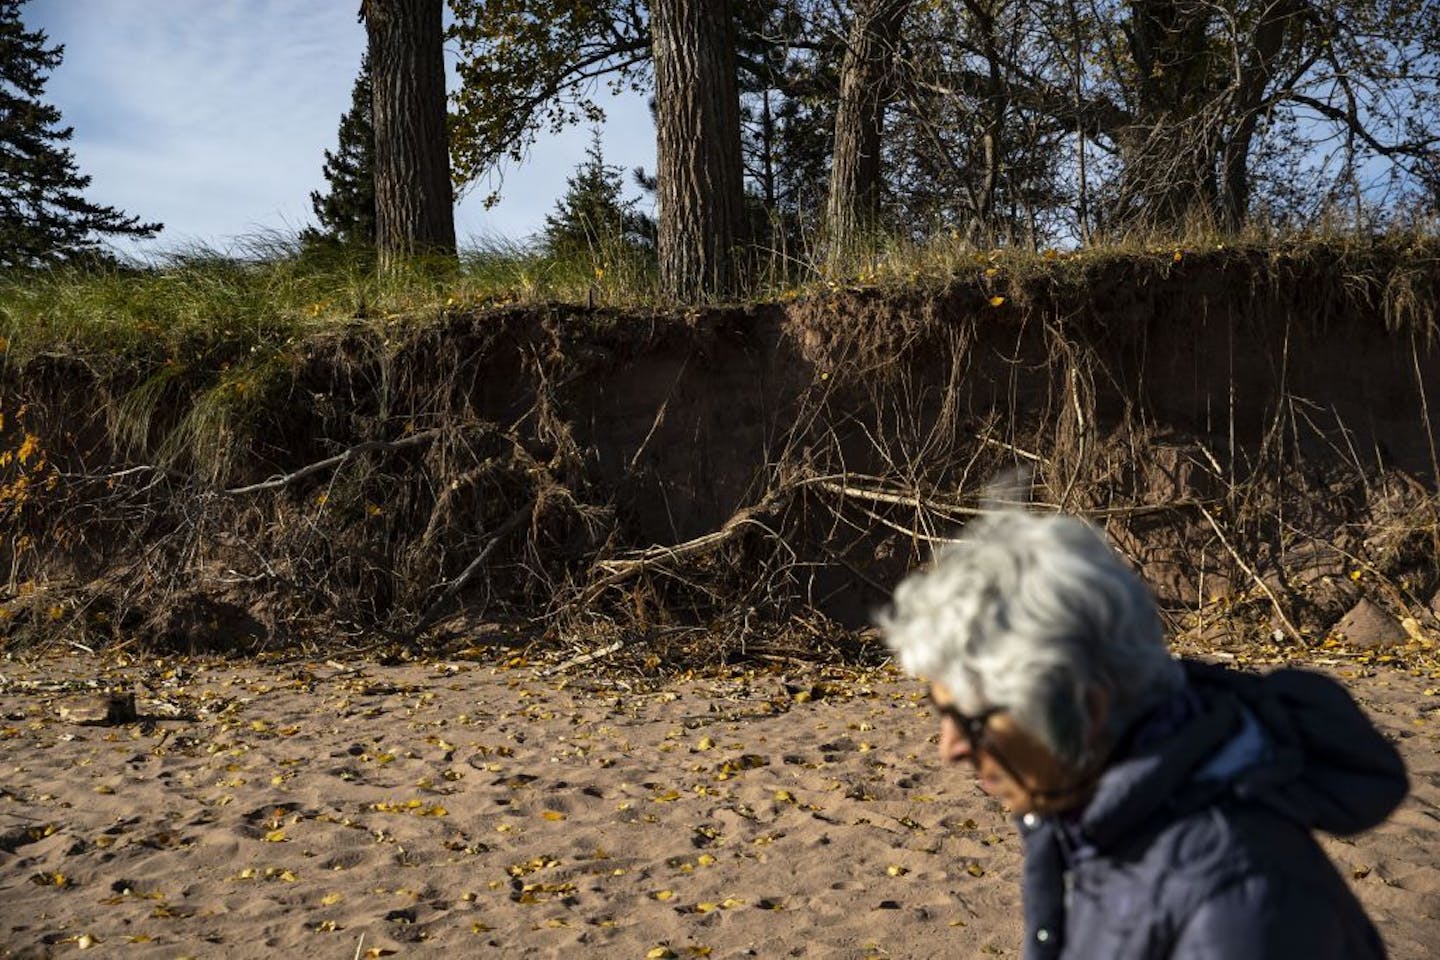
(1197, 843)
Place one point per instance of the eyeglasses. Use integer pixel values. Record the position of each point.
(972, 726)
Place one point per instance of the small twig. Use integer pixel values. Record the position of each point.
(1274, 600)
(127, 472)
(415, 439)
(433, 612)
(914, 501)
(1019, 452)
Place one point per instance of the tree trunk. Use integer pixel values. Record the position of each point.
(697, 118)
(414, 200)
(1170, 153)
(854, 203)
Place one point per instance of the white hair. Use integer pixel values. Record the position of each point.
(1029, 612)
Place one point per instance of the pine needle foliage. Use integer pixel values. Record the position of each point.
(594, 213)
(346, 210)
(44, 216)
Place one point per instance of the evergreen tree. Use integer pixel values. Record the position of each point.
(347, 210)
(593, 213)
(44, 219)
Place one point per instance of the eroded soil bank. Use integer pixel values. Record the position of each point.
(1255, 428)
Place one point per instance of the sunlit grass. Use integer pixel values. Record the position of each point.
(267, 291)
(203, 307)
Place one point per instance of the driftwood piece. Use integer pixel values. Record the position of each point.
(599, 653)
(623, 568)
(110, 709)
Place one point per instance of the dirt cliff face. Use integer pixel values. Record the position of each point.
(1251, 430)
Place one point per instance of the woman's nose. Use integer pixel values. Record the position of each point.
(954, 745)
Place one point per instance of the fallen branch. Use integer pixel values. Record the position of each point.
(433, 612)
(414, 440)
(623, 568)
(1274, 600)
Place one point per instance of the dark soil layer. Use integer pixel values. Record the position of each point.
(1255, 428)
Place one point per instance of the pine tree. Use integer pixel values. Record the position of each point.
(593, 213)
(347, 211)
(44, 219)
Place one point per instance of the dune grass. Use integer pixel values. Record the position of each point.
(268, 292)
(223, 308)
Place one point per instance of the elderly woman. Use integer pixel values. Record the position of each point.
(1166, 807)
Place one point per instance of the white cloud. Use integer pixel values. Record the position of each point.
(212, 115)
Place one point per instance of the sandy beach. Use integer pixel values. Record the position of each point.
(353, 809)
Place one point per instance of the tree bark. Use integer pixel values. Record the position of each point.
(853, 207)
(414, 199)
(1170, 151)
(697, 118)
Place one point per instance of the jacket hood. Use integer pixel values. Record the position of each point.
(1292, 740)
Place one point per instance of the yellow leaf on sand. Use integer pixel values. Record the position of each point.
(663, 894)
(784, 796)
(275, 836)
(897, 871)
(975, 870)
(660, 953)
(553, 815)
(705, 860)
(330, 899)
(996, 300)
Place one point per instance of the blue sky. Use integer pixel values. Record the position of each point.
(212, 116)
